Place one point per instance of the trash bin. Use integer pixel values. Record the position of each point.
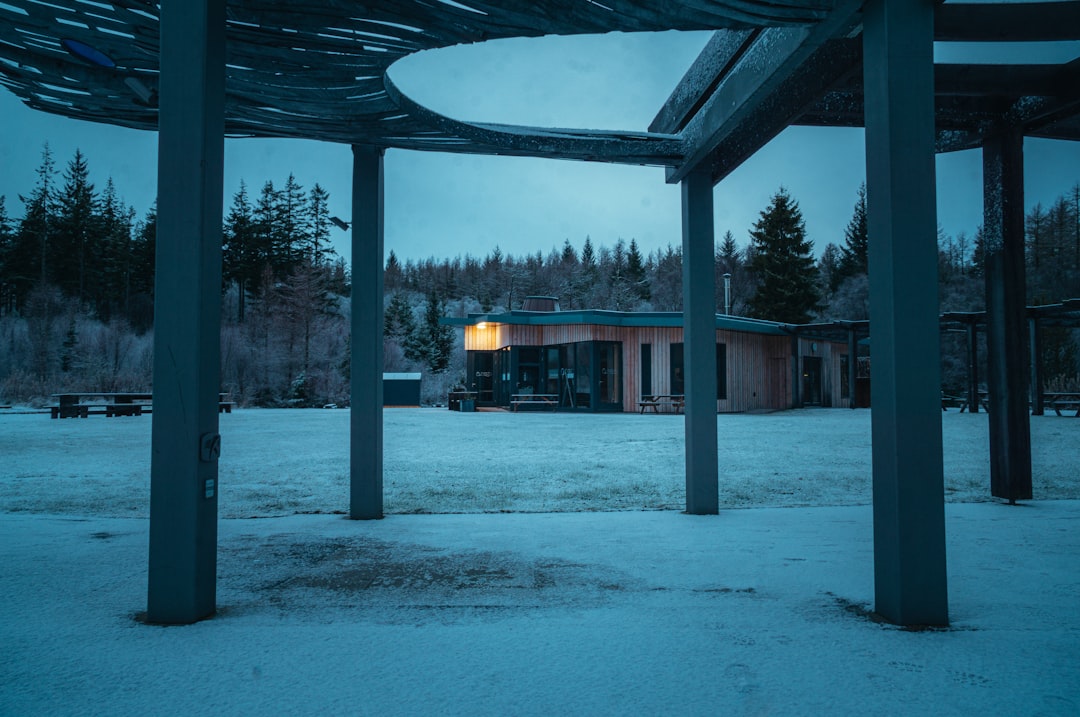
(468, 405)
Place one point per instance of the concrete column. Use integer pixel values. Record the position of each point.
(909, 511)
(187, 309)
(366, 424)
(1006, 315)
(699, 344)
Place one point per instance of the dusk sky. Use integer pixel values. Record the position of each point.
(444, 205)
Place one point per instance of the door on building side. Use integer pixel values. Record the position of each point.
(811, 376)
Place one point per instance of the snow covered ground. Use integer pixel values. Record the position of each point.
(760, 610)
(280, 462)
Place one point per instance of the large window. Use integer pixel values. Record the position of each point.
(584, 376)
(678, 376)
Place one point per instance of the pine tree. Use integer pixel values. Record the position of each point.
(238, 260)
(116, 224)
(569, 256)
(28, 259)
(588, 256)
(319, 225)
(829, 268)
(393, 277)
(635, 271)
(76, 255)
(265, 233)
(436, 341)
(853, 254)
(292, 230)
(398, 322)
(727, 256)
(784, 264)
(143, 249)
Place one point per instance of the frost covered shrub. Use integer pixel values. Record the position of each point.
(21, 386)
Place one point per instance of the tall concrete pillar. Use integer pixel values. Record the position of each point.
(366, 421)
(699, 344)
(909, 512)
(187, 309)
(1006, 315)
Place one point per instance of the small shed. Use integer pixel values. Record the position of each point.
(401, 389)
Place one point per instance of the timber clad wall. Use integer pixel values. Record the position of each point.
(759, 365)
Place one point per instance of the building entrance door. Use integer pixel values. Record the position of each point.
(811, 394)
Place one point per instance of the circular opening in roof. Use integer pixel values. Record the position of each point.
(612, 81)
(88, 53)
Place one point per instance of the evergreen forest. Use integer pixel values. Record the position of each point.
(77, 288)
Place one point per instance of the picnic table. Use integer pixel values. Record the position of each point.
(1062, 400)
(109, 404)
(544, 400)
(962, 401)
(676, 401)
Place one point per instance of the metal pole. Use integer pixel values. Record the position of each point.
(727, 294)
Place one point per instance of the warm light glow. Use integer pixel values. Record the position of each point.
(481, 325)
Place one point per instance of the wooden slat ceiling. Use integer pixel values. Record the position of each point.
(317, 69)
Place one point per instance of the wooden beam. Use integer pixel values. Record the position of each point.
(761, 77)
(724, 48)
(772, 115)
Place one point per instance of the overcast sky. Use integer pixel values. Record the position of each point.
(444, 204)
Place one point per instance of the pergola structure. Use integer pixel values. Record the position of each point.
(1064, 315)
(198, 70)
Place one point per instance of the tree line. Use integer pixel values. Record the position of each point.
(76, 288)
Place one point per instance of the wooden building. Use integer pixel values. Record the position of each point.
(592, 360)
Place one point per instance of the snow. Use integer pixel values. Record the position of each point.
(603, 608)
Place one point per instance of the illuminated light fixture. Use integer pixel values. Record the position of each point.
(88, 53)
(141, 91)
(340, 223)
(482, 325)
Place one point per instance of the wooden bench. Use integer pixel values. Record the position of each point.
(948, 402)
(70, 405)
(655, 401)
(544, 400)
(1063, 401)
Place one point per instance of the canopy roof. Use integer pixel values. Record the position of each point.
(318, 70)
